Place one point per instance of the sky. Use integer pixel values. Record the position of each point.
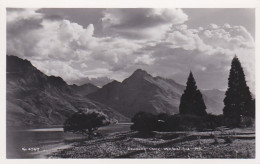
(76, 44)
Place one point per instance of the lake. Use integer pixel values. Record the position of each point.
(36, 143)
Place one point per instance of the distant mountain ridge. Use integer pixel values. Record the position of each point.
(37, 100)
(98, 81)
(84, 89)
(142, 92)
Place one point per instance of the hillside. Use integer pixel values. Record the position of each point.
(37, 100)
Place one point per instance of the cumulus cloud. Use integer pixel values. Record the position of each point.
(144, 59)
(217, 44)
(69, 44)
(58, 68)
(118, 53)
(230, 41)
(142, 23)
(157, 40)
(228, 37)
(210, 71)
(15, 15)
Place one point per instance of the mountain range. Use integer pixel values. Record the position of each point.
(37, 100)
(99, 81)
(143, 92)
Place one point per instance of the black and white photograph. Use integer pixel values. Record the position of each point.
(130, 83)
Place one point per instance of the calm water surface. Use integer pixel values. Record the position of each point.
(33, 143)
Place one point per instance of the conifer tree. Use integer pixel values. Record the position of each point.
(192, 102)
(238, 101)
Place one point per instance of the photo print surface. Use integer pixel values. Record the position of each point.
(130, 83)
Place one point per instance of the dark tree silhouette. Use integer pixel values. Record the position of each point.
(192, 102)
(85, 122)
(144, 122)
(251, 111)
(238, 101)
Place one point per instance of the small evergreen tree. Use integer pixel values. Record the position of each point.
(238, 101)
(192, 102)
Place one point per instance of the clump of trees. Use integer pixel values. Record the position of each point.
(85, 122)
(239, 104)
(147, 122)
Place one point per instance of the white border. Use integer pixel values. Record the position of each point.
(120, 4)
(132, 3)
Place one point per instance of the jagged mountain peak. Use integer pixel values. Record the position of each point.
(138, 75)
(140, 72)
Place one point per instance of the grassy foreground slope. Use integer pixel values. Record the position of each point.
(166, 145)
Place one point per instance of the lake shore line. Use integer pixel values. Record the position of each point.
(28, 143)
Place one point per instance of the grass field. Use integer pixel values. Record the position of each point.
(224, 143)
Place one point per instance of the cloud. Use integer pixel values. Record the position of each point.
(207, 51)
(58, 68)
(231, 40)
(15, 15)
(99, 81)
(228, 37)
(51, 45)
(142, 23)
(210, 71)
(144, 59)
(157, 40)
(118, 53)
(67, 43)
(212, 26)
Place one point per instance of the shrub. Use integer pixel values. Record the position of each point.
(192, 122)
(144, 122)
(212, 121)
(85, 122)
(228, 139)
(246, 121)
(163, 122)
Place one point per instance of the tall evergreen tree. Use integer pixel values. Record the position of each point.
(238, 101)
(192, 102)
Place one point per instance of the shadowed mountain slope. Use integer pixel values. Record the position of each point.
(84, 89)
(37, 100)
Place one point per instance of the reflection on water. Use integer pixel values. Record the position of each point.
(23, 143)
